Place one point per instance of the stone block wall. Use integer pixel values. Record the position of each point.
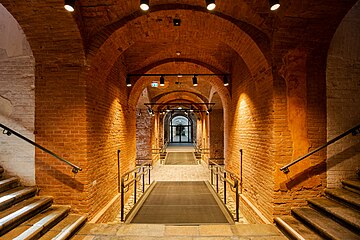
(343, 101)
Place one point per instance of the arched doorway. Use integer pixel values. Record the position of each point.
(181, 129)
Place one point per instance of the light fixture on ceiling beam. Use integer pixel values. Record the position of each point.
(162, 81)
(210, 5)
(226, 81)
(274, 4)
(144, 5)
(163, 75)
(195, 83)
(128, 81)
(69, 5)
(180, 106)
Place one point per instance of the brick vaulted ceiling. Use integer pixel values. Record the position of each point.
(208, 42)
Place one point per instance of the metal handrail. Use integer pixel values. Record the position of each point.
(9, 131)
(139, 174)
(354, 131)
(227, 177)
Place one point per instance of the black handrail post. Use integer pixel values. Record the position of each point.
(122, 200)
(212, 175)
(149, 172)
(143, 179)
(241, 170)
(225, 187)
(135, 176)
(118, 159)
(237, 199)
(217, 179)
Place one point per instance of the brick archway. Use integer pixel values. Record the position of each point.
(102, 58)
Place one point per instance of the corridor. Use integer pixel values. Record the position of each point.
(266, 92)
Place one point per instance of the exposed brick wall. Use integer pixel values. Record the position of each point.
(306, 179)
(251, 131)
(143, 136)
(143, 129)
(112, 127)
(343, 101)
(17, 99)
(216, 118)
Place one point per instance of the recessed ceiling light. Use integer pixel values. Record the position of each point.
(177, 22)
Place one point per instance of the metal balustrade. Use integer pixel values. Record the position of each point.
(134, 177)
(219, 175)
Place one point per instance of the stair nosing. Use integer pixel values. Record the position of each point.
(36, 229)
(70, 229)
(289, 230)
(331, 194)
(351, 184)
(315, 225)
(341, 218)
(9, 200)
(21, 215)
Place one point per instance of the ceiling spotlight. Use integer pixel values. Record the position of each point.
(226, 81)
(128, 81)
(69, 5)
(177, 22)
(162, 81)
(178, 53)
(274, 4)
(210, 5)
(144, 5)
(195, 81)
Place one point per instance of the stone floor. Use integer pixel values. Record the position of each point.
(160, 231)
(241, 230)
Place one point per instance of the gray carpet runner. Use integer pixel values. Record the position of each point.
(180, 158)
(180, 203)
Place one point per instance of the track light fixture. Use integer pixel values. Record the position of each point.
(144, 5)
(274, 4)
(162, 81)
(226, 81)
(69, 5)
(210, 5)
(128, 81)
(162, 76)
(195, 81)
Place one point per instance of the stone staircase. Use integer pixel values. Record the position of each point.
(25, 216)
(336, 216)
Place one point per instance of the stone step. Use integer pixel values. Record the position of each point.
(66, 228)
(345, 196)
(22, 211)
(352, 185)
(38, 225)
(343, 214)
(294, 229)
(8, 183)
(323, 225)
(15, 195)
